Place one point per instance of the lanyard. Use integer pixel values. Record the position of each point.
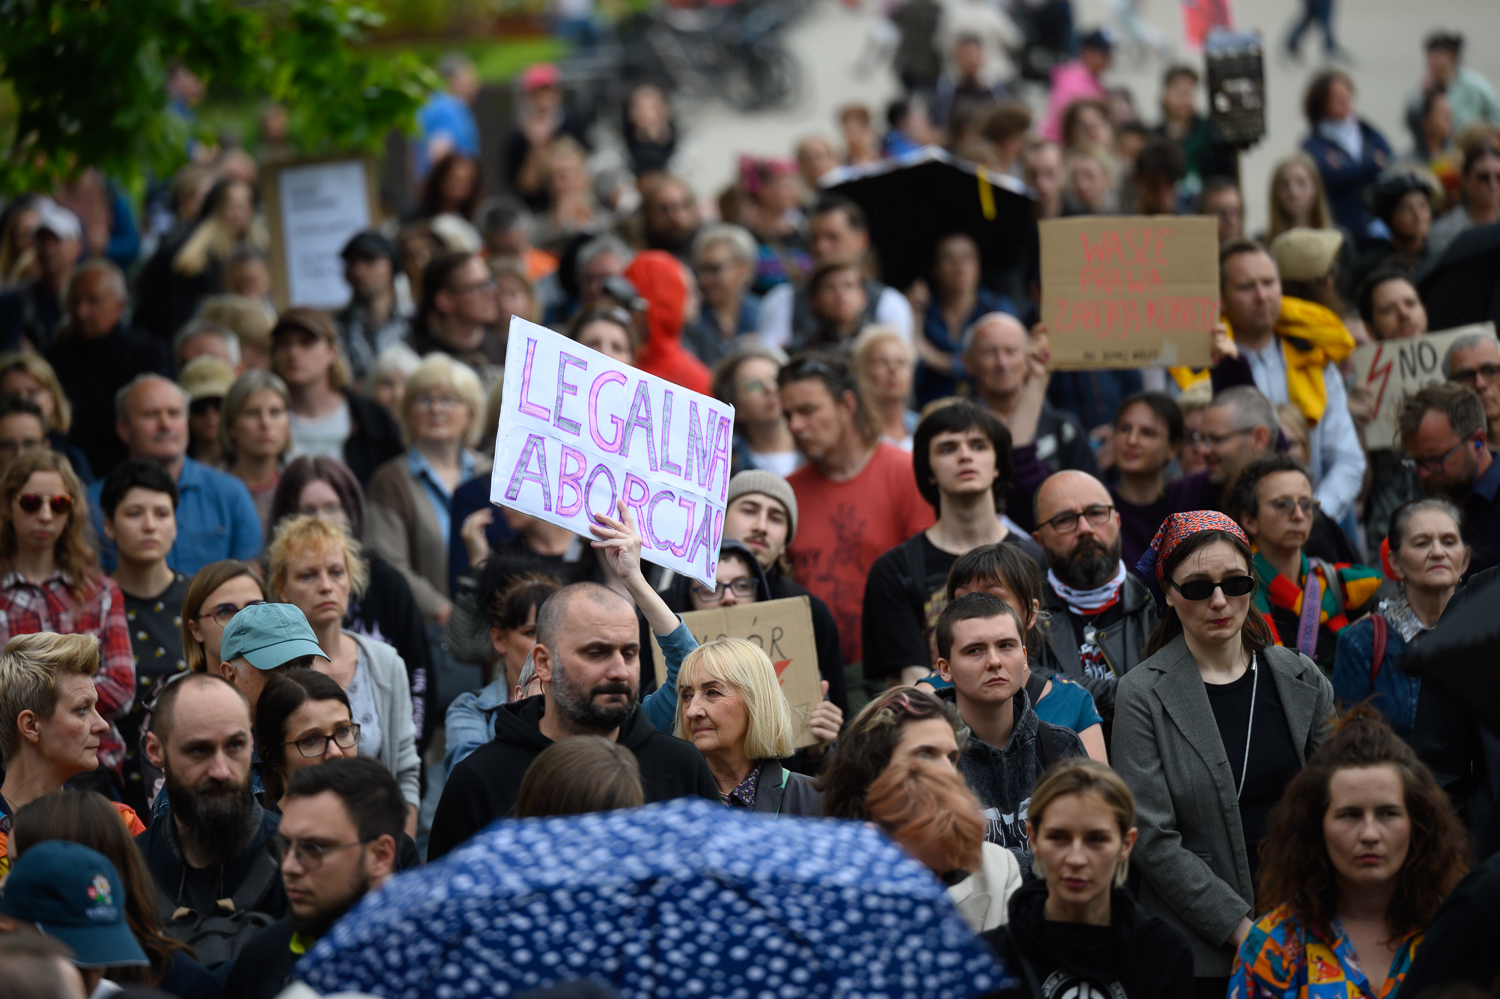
(1249, 727)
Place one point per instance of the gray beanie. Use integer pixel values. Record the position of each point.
(769, 484)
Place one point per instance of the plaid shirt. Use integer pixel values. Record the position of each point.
(27, 608)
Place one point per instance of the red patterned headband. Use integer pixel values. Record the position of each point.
(1177, 528)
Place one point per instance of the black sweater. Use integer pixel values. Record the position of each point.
(484, 785)
(1135, 957)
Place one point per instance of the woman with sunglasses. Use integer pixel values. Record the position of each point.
(1272, 499)
(1209, 729)
(50, 581)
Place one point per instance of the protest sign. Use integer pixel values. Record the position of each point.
(579, 430)
(1130, 291)
(784, 630)
(313, 207)
(1391, 370)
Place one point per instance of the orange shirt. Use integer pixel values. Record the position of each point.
(127, 815)
(843, 527)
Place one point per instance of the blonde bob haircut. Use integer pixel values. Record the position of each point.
(41, 372)
(745, 667)
(31, 670)
(439, 371)
(1081, 776)
(300, 534)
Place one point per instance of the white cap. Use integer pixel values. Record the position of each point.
(58, 220)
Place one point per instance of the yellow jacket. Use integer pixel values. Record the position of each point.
(1311, 336)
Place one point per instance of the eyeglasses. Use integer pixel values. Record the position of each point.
(744, 588)
(345, 737)
(434, 400)
(1067, 523)
(1432, 466)
(488, 284)
(224, 613)
(1469, 376)
(1202, 589)
(32, 502)
(754, 386)
(1200, 438)
(14, 447)
(308, 853)
(1284, 505)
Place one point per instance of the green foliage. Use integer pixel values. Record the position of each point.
(87, 79)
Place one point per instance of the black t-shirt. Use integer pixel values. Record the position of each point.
(156, 644)
(903, 597)
(1272, 758)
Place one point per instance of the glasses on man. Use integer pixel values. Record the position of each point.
(1284, 505)
(744, 588)
(1469, 376)
(309, 853)
(1067, 523)
(1432, 466)
(224, 613)
(1202, 589)
(344, 737)
(32, 502)
(12, 448)
(1217, 440)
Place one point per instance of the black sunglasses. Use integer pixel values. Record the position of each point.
(1202, 589)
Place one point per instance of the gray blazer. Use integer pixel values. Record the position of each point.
(1166, 747)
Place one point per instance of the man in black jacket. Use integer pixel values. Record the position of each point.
(587, 656)
(342, 823)
(1097, 616)
(215, 837)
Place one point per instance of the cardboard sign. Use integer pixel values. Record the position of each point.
(1394, 369)
(1125, 291)
(314, 207)
(784, 629)
(578, 430)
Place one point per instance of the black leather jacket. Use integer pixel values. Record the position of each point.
(1123, 643)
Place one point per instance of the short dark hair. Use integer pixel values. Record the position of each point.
(435, 278)
(134, 473)
(954, 418)
(1243, 497)
(838, 203)
(554, 610)
(508, 590)
(1176, 72)
(1459, 403)
(1163, 406)
(285, 502)
(1161, 158)
(1447, 41)
(1364, 298)
(283, 694)
(1316, 99)
(838, 378)
(370, 794)
(1238, 248)
(973, 607)
(1006, 565)
(1212, 186)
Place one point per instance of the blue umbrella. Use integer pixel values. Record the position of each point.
(683, 898)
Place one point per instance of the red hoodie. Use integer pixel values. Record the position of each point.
(658, 278)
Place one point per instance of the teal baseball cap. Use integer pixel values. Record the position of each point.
(269, 635)
(74, 894)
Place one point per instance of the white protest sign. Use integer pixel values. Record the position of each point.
(317, 207)
(579, 429)
(1394, 369)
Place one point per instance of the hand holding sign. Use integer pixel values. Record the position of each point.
(581, 433)
(824, 722)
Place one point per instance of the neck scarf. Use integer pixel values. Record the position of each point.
(1087, 603)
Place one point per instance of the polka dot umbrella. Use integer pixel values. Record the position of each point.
(682, 898)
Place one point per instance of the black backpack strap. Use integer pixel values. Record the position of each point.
(262, 875)
(1028, 973)
(1035, 686)
(1046, 743)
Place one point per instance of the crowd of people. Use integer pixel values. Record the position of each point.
(257, 609)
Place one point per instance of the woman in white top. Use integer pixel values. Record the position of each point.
(315, 565)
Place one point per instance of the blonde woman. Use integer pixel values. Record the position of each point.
(1081, 824)
(30, 376)
(884, 365)
(50, 580)
(411, 496)
(255, 434)
(316, 566)
(730, 705)
(186, 270)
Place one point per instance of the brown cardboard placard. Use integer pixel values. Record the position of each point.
(1391, 370)
(1128, 291)
(784, 629)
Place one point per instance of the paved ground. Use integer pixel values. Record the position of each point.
(1384, 35)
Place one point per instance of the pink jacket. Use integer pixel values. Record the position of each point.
(1070, 82)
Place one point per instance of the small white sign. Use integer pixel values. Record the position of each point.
(322, 205)
(1391, 370)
